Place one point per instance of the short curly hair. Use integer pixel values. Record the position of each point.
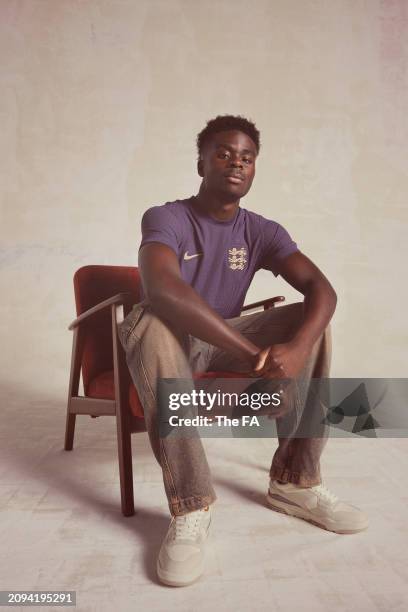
(221, 123)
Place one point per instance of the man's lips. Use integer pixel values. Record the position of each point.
(234, 177)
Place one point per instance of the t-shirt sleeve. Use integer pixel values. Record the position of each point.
(277, 245)
(160, 225)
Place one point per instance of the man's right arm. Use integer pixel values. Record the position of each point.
(174, 300)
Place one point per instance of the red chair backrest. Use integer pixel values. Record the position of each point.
(93, 284)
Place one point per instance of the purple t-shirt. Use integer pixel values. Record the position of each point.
(218, 258)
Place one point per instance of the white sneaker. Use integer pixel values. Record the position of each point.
(317, 505)
(181, 557)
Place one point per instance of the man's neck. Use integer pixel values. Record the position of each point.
(214, 206)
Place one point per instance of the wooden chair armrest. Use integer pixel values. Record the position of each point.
(119, 298)
(268, 303)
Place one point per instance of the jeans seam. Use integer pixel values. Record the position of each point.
(208, 356)
(168, 473)
(133, 325)
(144, 371)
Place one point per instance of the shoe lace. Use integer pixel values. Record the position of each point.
(186, 527)
(325, 493)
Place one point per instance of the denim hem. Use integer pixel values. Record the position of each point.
(299, 478)
(189, 504)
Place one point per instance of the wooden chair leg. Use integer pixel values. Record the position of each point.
(125, 467)
(123, 426)
(77, 344)
(69, 431)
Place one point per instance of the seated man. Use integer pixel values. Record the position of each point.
(197, 259)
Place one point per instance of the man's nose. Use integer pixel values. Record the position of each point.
(236, 161)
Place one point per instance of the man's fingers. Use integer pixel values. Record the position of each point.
(274, 363)
(269, 365)
(272, 372)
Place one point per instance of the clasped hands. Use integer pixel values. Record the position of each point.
(283, 363)
(280, 360)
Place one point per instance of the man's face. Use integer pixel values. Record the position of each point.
(227, 164)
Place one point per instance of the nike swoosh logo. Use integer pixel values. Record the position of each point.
(187, 256)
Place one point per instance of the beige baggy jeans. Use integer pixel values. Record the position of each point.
(155, 349)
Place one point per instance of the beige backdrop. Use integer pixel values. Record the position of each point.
(100, 103)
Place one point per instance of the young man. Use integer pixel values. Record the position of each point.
(197, 259)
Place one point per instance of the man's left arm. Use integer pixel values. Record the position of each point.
(287, 359)
(320, 297)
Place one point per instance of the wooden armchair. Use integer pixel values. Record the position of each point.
(104, 295)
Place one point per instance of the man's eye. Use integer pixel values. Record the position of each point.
(247, 160)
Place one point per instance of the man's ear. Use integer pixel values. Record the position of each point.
(200, 169)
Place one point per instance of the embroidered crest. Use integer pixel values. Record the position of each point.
(237, 258)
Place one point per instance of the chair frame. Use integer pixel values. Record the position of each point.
(126, 423)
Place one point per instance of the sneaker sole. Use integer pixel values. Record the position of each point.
(306, 516)
(171, 580)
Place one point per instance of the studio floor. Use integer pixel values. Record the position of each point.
(62, 529)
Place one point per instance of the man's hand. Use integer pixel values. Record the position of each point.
(280, 360)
